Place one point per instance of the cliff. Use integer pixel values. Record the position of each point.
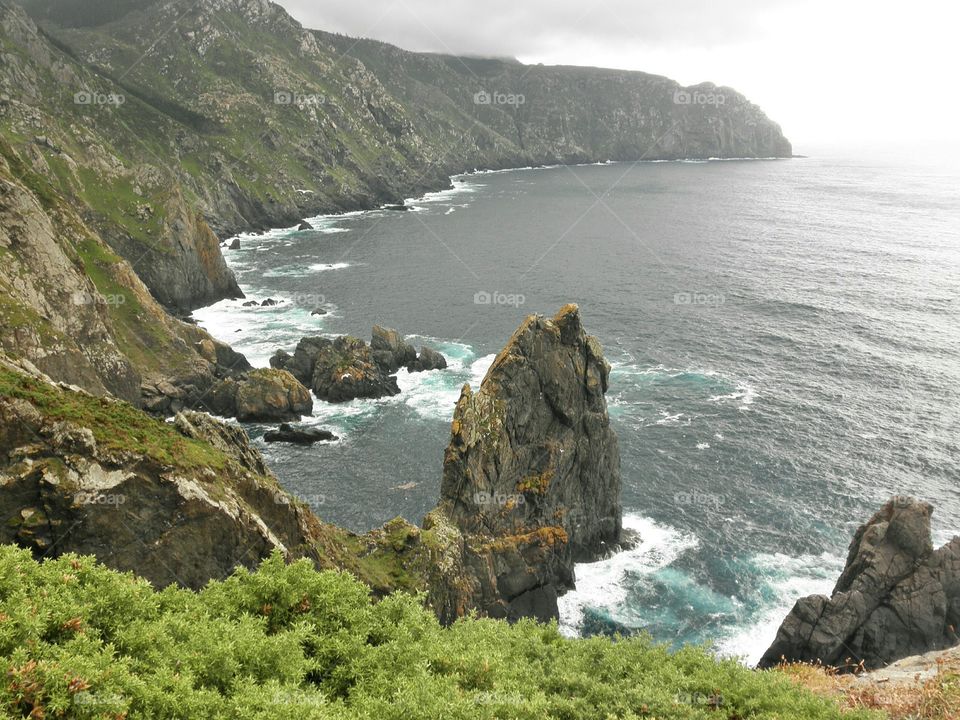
(238, 118)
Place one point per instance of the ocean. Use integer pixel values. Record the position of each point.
(785, 343)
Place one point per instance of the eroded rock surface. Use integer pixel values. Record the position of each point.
(531, 478)
(897, 597)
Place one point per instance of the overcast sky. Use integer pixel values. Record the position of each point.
(829, 71)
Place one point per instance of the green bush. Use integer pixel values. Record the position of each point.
(81, 641)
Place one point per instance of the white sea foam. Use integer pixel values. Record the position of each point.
(324, 267)
(604, 584)
(789, 578)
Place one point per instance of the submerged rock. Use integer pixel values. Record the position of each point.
(896, 597)
(305, 226)
(299, 435)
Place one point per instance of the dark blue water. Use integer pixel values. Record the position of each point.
(785, 337)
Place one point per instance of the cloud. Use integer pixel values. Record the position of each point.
(511, 28)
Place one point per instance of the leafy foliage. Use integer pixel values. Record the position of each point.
(81, 641)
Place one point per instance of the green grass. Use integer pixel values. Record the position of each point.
(117, 426)
(286, 641)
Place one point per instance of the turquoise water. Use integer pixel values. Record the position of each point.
(785, 338)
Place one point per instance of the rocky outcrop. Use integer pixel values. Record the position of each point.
(531, 478)
(429, 359)
(299, 435)
(177, 503)
(390, 351)
(263, 395)
(337, 370)
(896, 597)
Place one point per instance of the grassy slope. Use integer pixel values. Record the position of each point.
(81, 641)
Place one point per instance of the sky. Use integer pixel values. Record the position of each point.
(831, 72)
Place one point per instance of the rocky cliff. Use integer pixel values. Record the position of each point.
(237, 118)
(178, 503)
(531, 484)
(896, 597)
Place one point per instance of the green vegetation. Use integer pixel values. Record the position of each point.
(117, 426)
(81, 641)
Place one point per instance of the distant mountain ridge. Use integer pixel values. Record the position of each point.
(163, 125)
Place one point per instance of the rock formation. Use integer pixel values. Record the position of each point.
(429, 359)
(181, 502)
(896, 597)
(531, 478)
(262, 395)
(299, 435)
(347, 368)
(390, 351)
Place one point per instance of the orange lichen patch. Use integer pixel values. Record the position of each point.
(536, 484)
(549, 537)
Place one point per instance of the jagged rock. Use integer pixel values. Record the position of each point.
(230, 439)
(345, 369)
(251, 303)
(304, 359)
(390, 351)
(896, 597)
(305, 226)
(531, 478)
(269, 302)
(429, 359)
(171, 518)
(299, 436)
(235, 244)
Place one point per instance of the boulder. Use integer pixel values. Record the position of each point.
(346, 369)
(531, 477)
(270, 396)
(235, 244)
(305, 226)
(390, 351)
(299, 435)
(429, 359)
(896, 597)
(269, 302)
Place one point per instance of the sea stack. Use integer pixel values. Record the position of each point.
(531, 477)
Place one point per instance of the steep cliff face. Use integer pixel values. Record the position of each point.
(178, 503)
(531, 478)
(896, 597)
(77, 310)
